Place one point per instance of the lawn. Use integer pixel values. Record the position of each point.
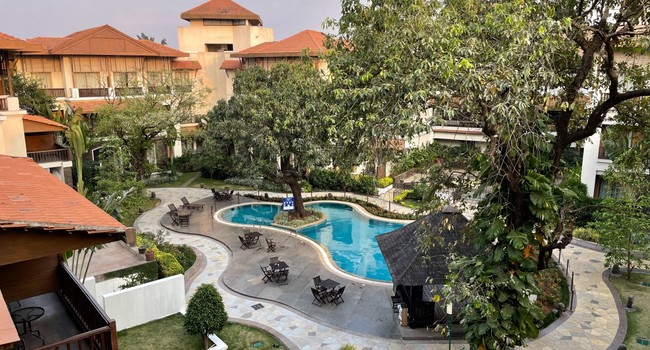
(638, 322)
(168, 333)
(130, 214)
(216, 184)
(176, 183)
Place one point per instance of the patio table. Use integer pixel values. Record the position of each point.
(279, 265)
(184, 217)
(329, 284)
(26, 316)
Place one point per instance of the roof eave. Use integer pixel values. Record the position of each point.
(190, 16)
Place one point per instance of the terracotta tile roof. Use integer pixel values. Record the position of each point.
(163, 50)
(8, 42)
(308, 40)
(186, 64)
(231, 65)
(35, 123)
(102, 41)
(219, 9)
(30, 195)
(88, 106)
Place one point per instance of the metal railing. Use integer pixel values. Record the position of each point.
(567, 271)
(93, 92)
(99, 338)
(55, 155)
(128, 91)
(55, 92)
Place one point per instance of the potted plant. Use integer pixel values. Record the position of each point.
(149, 255)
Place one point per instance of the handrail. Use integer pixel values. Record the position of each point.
(80, 302)
(55, 92)
(93, 92)
(99, 338)
(55, 155)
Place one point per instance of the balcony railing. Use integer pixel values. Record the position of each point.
(93, 92)
(54, 155)
(100, 331)
(4, 105)
(55, 92)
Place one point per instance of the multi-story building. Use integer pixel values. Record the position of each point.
(217, 29)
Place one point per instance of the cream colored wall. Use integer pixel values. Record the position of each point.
(193, 38)
(12, 134)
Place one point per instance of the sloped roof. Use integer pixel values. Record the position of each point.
(102, 41)
(231, 65)
(8, 42)
(186, 65)
(31, 196)
(87, 106)
(408, 264)
(35, 123)
(220, 9)
(308, 41)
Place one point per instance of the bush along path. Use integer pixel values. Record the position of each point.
(593, 325)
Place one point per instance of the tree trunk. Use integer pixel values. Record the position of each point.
(296, 190)
(138, 161)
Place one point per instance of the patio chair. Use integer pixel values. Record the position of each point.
(190, 206)
(244, 243)
(174, 216)
(281, 273)
(397, 300)
(337, 296)
(268, 274)
(172, 208)
(317, 283)
(228, 195)
(270, 245)
(217, 195)
(274, 260)
(318, 297)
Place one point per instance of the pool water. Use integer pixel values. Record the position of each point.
(348, 236)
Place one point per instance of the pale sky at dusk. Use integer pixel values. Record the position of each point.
(157, 18)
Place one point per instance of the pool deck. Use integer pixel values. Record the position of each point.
(598, 321)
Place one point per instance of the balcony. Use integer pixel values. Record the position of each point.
(93, 92)
(61, 154)
(72, 319)
(55, 92)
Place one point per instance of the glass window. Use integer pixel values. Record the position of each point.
(44, 78)
(125, 79)
(86, 80)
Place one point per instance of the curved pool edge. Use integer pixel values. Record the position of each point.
(323, 254)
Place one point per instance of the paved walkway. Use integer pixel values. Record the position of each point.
(593, 325)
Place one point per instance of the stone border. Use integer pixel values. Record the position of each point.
(619, 338)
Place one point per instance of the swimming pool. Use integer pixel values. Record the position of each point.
(348, 235)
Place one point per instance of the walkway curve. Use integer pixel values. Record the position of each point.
(593, 325)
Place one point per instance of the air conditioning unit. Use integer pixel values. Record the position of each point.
(74, 92)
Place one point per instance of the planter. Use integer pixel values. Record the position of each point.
(142, 250)
(149, 256)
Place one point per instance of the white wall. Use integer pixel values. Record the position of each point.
(146, 302)
(591, 165)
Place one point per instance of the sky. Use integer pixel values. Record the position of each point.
(156, 18)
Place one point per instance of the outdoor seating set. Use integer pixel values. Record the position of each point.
(327, 291)
(251, 239)
(24, 317)
(276, 271)
(181, 217)
(222, 195)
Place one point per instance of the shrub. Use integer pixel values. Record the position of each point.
(347, 347)
(334, 180)
(187, 162)
(586, 234)
(167, 264)
(282, 218)
(206, 313)
(161, 179)
(385, 182)
(365, 185)
(260, 184)
(402, 196)
(136, 275)
(419, 191)
(306, 186)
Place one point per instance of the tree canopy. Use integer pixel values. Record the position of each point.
(272, 123)
(536, 77)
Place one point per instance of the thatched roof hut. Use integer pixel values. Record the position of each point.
(418, 273)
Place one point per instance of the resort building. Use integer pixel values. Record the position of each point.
(217, 29)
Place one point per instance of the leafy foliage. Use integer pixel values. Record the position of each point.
(206, 313)
(31, 95)
(337, 180)
(384, 182)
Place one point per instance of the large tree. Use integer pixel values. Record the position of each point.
(273, 123)
(140, 120)
(537, 77)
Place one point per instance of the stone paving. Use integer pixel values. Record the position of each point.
(593, 324)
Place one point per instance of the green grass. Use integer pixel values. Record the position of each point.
(178, 182)
(168, 333)
(216, 184)
(130, 214)
(239, 337)
(638, 322)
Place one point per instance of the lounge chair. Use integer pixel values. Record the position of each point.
(337, 296)
(217, 195)
(244, 243)
(172, 208)
(270, 245)
(190, 206)
(228, 195)
(268, 274)
(318, 297)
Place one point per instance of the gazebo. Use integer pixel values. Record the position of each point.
(418, 274)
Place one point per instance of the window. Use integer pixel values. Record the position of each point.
(603, 189)
(221, 22)
(86, 80)
(218, 47)
(44, 78)
(602, 152)
(125, 79)
(154, 78)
